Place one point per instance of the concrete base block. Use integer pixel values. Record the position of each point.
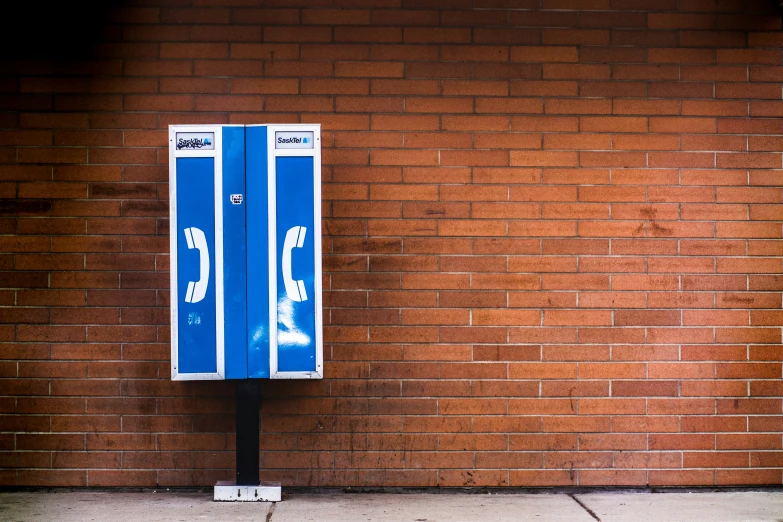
(228, 491)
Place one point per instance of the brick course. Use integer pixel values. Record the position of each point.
(552, 243)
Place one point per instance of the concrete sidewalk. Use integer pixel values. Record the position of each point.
(178, 505)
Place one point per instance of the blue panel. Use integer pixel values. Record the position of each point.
(234, 253)
(196, 265)
(257, 254)
(295, 264)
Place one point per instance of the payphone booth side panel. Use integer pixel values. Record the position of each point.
(203, 161)
(234, 252)
(258, 330)
(295, 299)
(194, 177)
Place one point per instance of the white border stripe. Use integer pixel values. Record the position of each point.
(220, 324)
(173, 298)
(272, 233)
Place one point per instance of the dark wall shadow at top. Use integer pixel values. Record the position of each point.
(47, 30)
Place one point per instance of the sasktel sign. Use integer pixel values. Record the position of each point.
(293, 140)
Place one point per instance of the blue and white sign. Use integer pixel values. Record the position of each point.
(245, 252)
(294, 139)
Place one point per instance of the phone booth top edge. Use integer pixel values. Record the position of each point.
(220, 125)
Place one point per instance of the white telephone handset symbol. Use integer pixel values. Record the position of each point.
(295, 289)
(198, 289)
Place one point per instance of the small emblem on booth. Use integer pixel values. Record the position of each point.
(195, 141)
(236, 199)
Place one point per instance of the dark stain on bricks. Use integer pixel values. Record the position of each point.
(14, 207)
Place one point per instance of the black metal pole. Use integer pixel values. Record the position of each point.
(248, 409)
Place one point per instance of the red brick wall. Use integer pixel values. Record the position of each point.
(552, 243)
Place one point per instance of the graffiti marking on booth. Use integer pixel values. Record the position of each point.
(195, 141)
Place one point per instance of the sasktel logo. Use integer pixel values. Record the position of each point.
(195, 141)
(293, 139)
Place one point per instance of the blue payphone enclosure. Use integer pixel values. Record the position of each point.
(245, 230)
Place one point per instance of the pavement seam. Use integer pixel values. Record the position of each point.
(271, 510)
(589, 511)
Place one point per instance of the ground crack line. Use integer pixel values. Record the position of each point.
(272, 510)
(589, 511)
